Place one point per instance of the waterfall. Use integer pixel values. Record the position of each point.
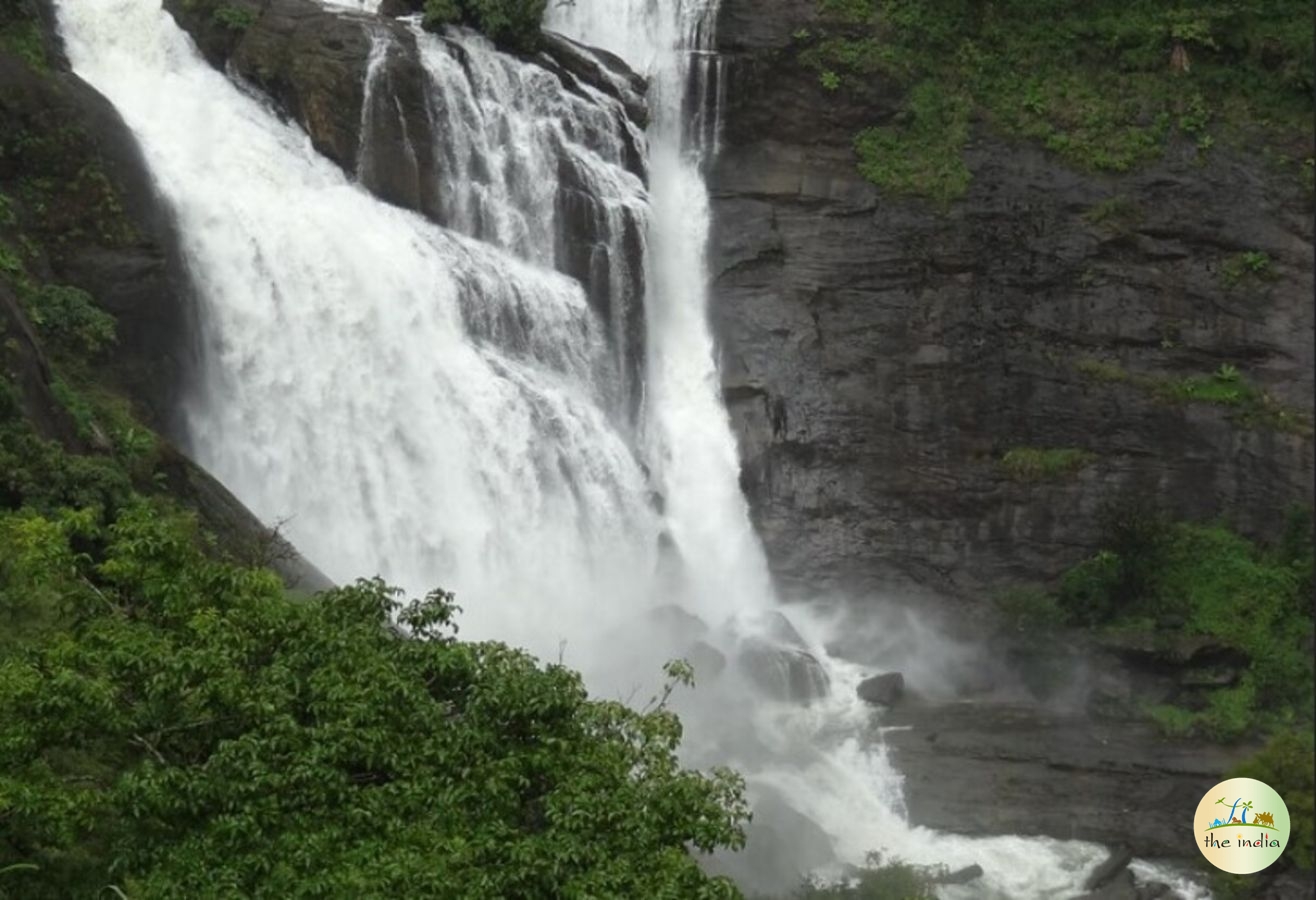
(416, 403)
(690, 444)
(435, 399)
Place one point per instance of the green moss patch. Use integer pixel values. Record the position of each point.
(1036, 464)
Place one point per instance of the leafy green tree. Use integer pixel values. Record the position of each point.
(184, 729)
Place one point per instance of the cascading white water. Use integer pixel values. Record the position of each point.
(421, 405)
(430, 407)
(541, 172)
(691, 448)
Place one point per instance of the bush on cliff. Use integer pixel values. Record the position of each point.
(1104, 84)
(512, 24)
(1253, 600)
(172, 725)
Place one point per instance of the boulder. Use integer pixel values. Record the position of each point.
(783, 673)
(960, 876)
(1110, 870)
(707, 660)
(782, 846)
(1120, 886)
(398, 8)
(682, 626)
(882, 690)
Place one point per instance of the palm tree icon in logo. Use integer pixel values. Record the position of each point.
(1242, 820)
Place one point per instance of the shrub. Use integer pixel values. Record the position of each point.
(1249, 264)
(70, 317)
(1287, 764)
(235, 18)
(512, 24)
(922, 152)
(1029, 610)
(1118, 213)
(1248, 598)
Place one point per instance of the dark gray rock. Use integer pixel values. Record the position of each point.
(882, 690)
(960, 876)
(1120, 886)
(776, 627)
(782, 845)
(1116, 863)
(707, 661)
(881, 355)
(100, 227)
(678, 623)
(995, 768)
(396, 8)
(24, 364)
(600, 69)
(783, 673)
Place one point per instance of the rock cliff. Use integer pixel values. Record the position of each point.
(882, 355)
(889, 363)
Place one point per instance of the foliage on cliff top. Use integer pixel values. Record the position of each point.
(512, 24)
(177, 726)
(1104, 84)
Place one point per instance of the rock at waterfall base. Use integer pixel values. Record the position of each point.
(882, 690)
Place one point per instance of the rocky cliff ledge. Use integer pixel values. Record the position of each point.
(883, 355)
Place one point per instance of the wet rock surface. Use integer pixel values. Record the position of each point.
(1016, 768)
(882, 690)
(782, 672)
(881, 355)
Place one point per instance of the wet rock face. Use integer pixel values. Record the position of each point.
(880, 355)
(100, 227)
(83, 200)
(783, 673)
(882, 690)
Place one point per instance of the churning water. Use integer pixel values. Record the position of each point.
(440, 404)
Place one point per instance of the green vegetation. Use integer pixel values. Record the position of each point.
(1251, 264)
(1118, 214)
(234, 17)
(70, 318)
(1252, 600)
(176, 726)
(1251, 406)
(512, 24)
(21, 36)
(1286, 765)
(920, 154)
(1029, 610)
(1177, 583)
(1035, 464)
(1104, 84)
